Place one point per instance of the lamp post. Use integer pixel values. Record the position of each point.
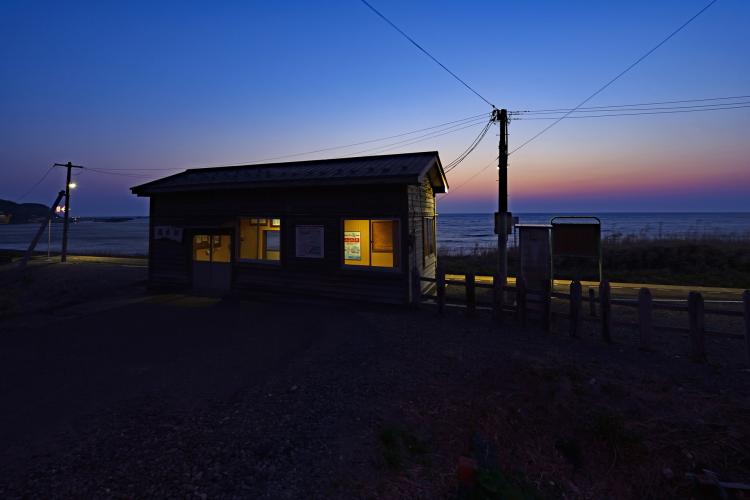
(68, 186)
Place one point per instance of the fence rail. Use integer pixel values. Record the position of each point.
(517, 301)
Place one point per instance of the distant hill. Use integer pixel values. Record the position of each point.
(23, 212)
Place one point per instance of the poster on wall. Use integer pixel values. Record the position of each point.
(352, 245)
(309, 242)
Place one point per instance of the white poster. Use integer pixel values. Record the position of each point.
(352, 245)
(309, 242)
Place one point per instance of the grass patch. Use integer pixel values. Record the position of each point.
(698, 261)
(494, 485)
(399, 445)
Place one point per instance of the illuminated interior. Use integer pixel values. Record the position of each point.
(212, 248)
(371, 242)
(260, 239)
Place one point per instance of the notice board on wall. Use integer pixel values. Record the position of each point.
(352, 245)
(309, 242)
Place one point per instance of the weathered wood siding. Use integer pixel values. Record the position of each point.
(421, 205)
(200, 211)
(169, 260)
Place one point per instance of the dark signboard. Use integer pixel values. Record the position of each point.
(577, 239)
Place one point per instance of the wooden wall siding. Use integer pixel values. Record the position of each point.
(170, 262)
(363, 201)
(350, 285)
(319, 206)
(421, 204)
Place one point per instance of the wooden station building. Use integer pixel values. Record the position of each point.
(356, 228)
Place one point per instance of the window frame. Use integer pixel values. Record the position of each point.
(397, 245)
(432, 243)
(264, 262)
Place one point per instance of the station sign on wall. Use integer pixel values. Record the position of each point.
(168, 233)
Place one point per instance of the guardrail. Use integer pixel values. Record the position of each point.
(517, 301)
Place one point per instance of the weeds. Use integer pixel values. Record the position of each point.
(398, 445)
(700, 261)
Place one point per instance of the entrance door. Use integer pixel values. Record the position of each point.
(212, 263)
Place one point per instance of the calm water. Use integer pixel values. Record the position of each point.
(456, 232)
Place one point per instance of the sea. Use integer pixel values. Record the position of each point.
(456, 233)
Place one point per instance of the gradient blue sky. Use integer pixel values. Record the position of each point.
(188, 84)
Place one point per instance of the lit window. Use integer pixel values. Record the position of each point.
(428, 236)
(212, 248)
(260, 239)
(371, 242)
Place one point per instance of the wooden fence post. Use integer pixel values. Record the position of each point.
(576, 293)
(697, 327)
(498, 302)
(471, 296)
(645, 324)
(606, 309)
(521, 301)
(547, 306)
(592, 303)
(440, 278)
(746, 303)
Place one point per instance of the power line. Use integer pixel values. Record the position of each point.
(137, 169)
(631, 105)
(436, 132)
(378, 149)
(425, 52)
(414, 140)
(613, 80)
(601, 116)
(672, 111)
(120, 174)
(453, 190)
(457, 161)
(380, 139)
(32, 188)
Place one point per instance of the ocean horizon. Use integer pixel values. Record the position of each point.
(456, 232)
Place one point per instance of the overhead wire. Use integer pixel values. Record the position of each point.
(653, 103)
(617, 77)
(36, 184)
(379, 14)
(457, 161)
(414, 140)
(640, 112)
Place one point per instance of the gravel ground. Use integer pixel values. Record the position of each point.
(355, 401)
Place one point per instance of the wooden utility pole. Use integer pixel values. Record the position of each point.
(69, 166)
(502, 216)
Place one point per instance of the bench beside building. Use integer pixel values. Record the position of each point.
(356, 228)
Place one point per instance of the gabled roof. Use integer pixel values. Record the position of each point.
(407, 168)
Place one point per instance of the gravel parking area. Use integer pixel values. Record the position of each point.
(177, 396)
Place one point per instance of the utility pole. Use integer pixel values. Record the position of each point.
(70, 167)
(502, 216)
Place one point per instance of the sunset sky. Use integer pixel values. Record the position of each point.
(158, 85)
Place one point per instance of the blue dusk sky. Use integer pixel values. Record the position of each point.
(139, 90)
